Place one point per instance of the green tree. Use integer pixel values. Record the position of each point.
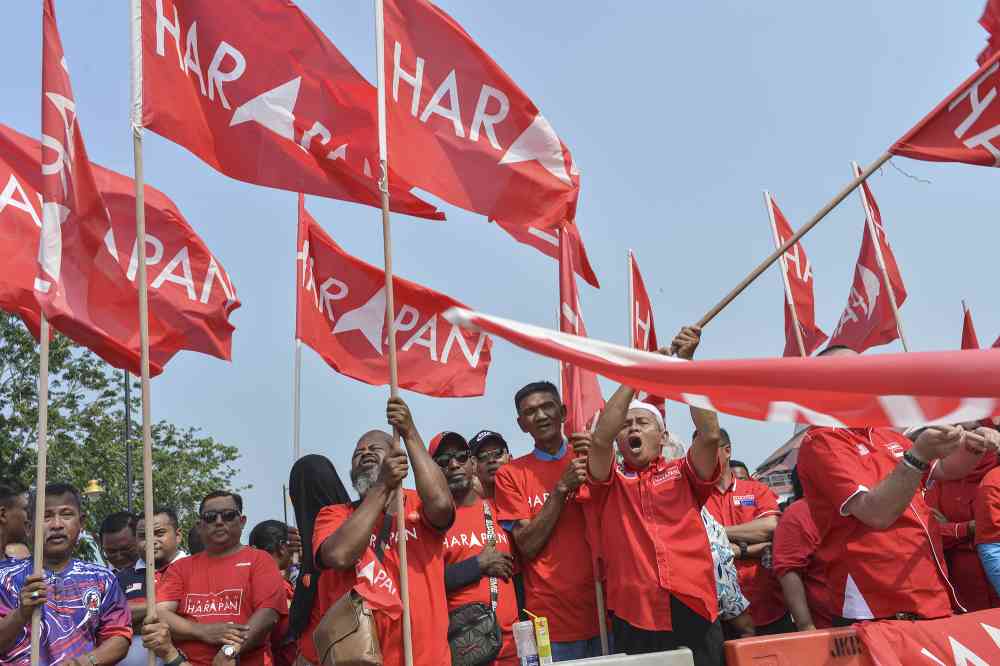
(86, 431)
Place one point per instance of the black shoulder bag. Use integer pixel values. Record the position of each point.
(473, 629)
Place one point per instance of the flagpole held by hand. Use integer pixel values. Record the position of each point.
(40, 480)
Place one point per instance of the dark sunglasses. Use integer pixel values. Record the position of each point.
(490, 455)
(444, 460)
(227, 516)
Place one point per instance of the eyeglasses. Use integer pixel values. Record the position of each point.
(445, 459)
(490, 455)
(227, 516)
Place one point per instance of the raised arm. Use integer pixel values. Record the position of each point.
(705, 447)
(439, 507)
(964, 459)
(600, 456)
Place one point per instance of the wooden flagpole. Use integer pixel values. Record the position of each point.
(297, 403)
(390, 309)
(140, 239)
(806, 228)
(784, 276)
(631, 300)
(886, 283)
(40, 480)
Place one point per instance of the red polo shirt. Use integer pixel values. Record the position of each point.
(654, 542)
(559, 581)
(871, 573)
(795, 545)
(743, 501)
(987, 509)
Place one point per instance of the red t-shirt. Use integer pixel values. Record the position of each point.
(871, 573)
(987, 510)
(425, 564)
(559, 581)
(328, 584)
(742, 502)
(794, 548)
(654, 542)
(466, 539)
(284, 652)
(224, 589)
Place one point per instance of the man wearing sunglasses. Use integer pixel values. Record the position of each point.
(222, 603)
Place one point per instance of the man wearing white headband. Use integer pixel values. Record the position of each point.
(660, 581)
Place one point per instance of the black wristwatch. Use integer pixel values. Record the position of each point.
(176, 661)
(743, 549)
(915, 462)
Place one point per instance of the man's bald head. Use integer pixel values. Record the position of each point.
(369, 453)
(374, 436)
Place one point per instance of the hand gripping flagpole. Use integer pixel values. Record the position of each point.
(390, 316)
(806, 228)
(40, 480)
(789, 299)
(140, 239)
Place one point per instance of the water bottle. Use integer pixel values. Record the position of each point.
(524, 639)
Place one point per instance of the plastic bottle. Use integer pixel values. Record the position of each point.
(524, 639)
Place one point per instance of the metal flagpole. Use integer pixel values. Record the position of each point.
(806, 228)
(870, 220)
(631, 300)
(790, 300)
(140, 239)
(383, 155)
(40, 479)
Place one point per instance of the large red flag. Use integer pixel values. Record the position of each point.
(546, 241)
(257, 91)
(990, 20)
(581, 392)
(969, 338)
(642, 329)
(868, 320)
(459, 127)
(895, 390)
(340, 313)
(797, 277)
(190, 294)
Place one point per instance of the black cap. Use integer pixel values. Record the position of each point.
(485, 437)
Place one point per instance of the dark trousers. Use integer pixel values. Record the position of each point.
(690, 630)
(784, 625)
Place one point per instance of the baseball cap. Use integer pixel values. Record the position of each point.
(446, 437)
(484, 437)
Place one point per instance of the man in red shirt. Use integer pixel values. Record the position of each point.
(357, 543)
(749, 511)
(535, 504)
(222, 603)
(660, 581)
(796, 563)
(477, 553)
(988, 526)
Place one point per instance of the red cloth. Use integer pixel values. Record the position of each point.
(284, 652)
(425, 563)
(643, 328)
(957, 501)
(742, 502)
(328, 583)
(654, 542)
(546, 241)
(969, 338)
(871, 573)
(466, 539)
(559, 581)
(795, 549)
(962, 640)
(224, 589)
(987, 509)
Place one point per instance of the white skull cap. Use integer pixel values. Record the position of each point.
(639, 404)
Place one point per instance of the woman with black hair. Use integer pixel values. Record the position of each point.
(313, 484)
(271, 536)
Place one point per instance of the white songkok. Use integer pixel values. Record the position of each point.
(638, 404)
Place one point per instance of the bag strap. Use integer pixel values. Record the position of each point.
(383, 536)
(491, 538)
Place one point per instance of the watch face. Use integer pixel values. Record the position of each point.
(229, 651)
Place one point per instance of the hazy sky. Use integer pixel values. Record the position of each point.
(677, 114)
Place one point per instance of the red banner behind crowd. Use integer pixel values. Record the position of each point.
(257, 91)
(882, 390)
(972, 639)
(460, 127)
(580, 391)
(340, 314)
(190, 294)
(868, 320)
(643, 329)
(798, 279)
(969, 338)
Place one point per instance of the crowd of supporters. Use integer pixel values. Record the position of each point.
(686, 549)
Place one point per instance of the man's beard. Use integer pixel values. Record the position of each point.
(460, 485)
(364, 480)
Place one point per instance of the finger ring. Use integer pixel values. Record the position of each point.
(35, 594)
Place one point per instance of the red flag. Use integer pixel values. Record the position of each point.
(546, 241)
(340, 309)
(965, 127)
(895, 390)
(868, 319)
(257, 91)
(972, 638)
(797, 277)
(642, 328)
(581, 392)
(990, 20)
(376, 585)
(458, 125)
(969, 338)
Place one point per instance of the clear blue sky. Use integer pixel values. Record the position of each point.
(678, 115)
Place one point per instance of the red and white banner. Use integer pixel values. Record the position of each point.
(965, 127)
(190, 294)
(868, 320)
(969, 338)
(642, 333)
(581, 392)
(259, 93)
(340, 314)
(546, 241)
(461, 128)
(897, 390)
(990, 20)
(797, 278)
(972, 639)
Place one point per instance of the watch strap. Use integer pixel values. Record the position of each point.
(916, 463)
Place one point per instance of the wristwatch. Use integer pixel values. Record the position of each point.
(915, 462)
(229, 651)
(743, 549)
(178, 660)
